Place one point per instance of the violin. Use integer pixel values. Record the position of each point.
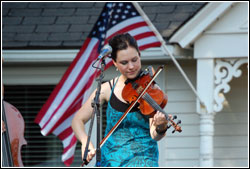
(153, 98)
(13, 136)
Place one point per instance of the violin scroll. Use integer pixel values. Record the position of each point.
(175, 125)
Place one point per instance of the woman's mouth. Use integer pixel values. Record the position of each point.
(131, 73)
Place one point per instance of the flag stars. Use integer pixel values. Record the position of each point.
(102, 43)
(133, 13)
(102, 28)
(109, 5)
(128, 6)
(115, 13)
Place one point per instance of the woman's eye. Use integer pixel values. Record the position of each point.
(134, 60)
(124, 63)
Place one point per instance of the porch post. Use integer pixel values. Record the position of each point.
(205, 87)
(206, 140)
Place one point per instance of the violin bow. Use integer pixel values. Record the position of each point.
(131, 106)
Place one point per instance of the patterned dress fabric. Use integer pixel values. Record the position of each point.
(130, 145)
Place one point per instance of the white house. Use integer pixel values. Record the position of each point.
(212, 49)
(218, 35)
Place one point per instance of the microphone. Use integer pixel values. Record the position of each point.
(106, 50)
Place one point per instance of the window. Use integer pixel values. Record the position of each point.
(44, 151)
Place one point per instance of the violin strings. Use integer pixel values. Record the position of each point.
(151, 101)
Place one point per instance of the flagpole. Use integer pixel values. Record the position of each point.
(165, 49)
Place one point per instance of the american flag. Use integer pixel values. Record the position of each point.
(74, 88)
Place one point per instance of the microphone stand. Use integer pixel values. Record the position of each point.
(96, 111)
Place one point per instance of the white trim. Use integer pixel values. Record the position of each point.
(200, 22)
(30, 56)
(47, 66)
(67, 56)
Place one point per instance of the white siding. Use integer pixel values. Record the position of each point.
(32, 74)
(231, 126)
(181, 149)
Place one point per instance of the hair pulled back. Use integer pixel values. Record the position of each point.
(121, 42)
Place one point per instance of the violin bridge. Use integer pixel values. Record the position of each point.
(139, 89)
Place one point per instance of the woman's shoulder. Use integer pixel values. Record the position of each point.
(107, 87)
(110, 83)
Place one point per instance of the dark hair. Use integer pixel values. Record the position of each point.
(121, 42)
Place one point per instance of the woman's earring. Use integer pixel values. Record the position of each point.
(117, 69)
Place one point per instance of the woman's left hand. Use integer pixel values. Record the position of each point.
(159, 119)
(159, 125)
(3, 126)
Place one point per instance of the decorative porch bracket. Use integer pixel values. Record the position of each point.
(225, 70)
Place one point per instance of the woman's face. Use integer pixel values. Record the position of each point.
(128, 62)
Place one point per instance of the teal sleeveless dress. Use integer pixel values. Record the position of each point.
(130, 145)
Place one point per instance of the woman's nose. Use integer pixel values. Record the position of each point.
(130, 65)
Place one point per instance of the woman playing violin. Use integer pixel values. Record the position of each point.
(134, 142)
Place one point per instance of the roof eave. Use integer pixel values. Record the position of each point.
(189, 32)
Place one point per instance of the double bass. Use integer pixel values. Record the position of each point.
(12, 136)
